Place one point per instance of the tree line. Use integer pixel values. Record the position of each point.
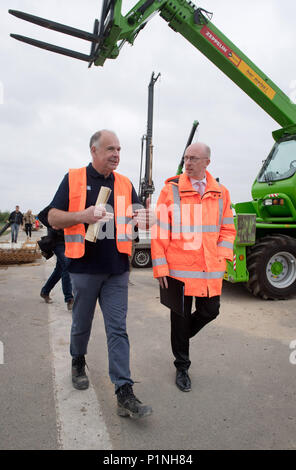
(4, 216)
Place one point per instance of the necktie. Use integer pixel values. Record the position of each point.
(199, 187)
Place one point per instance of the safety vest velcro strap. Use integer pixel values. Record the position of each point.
(123, 220)
(187, 229)
(220, 210)
(177, 206)
(159, 262)
(196, 229)
(210, 228)
(74, 238)
(197, 274)
(226, 244)
(124, 237)
(227, 221)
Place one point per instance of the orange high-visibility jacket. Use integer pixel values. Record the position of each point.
(75, 235)
(193, 235)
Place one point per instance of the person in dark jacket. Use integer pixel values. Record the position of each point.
(15, 220)
(60, 271)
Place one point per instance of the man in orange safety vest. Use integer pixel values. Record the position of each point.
(191, 241)
(99, 270)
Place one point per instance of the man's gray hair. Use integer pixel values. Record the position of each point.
(208, 150)
(95, 139)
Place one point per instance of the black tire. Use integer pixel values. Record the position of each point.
(142, 259)
(271, 263)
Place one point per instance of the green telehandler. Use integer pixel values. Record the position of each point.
(265, 245)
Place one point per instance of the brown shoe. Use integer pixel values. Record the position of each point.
(70, 304)
(46, 297)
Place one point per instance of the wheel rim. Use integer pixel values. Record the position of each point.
(142, 258)
(281, 269)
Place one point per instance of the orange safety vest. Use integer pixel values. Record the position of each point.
(193, 235)
(75, 235)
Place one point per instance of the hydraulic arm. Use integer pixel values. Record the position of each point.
(189, 141)
(191, 22)
(146, 184)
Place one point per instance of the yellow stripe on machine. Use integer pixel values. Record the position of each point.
(256, 79)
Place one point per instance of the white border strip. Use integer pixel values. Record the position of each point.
(80, 422)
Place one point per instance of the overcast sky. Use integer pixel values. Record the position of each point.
(53, 104)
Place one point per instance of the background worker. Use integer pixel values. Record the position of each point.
(57, 246)
(100, 271)
(28, 221)
(191, 242)
(15, 219)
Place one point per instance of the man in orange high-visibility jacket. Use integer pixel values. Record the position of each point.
(191, 241)
(100, 271)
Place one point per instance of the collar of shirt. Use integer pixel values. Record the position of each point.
(203, 181)
(93, 172)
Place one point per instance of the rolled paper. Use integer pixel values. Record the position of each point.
(92, 230)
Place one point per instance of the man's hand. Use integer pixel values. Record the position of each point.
(104, 216)
(59, 219)
(144, 218)
(94, 214)
(163, 282)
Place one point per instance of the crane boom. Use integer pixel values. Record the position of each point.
(146, 185)
(189, 141)
(194, 24)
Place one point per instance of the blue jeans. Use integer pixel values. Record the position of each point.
(60, 272)
(111, 291)
(14, 231)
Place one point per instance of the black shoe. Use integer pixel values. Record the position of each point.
(129, 405)
(79, 377)
(183, 381)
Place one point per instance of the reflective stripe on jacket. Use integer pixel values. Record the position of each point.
(75, 235)
(193, 235)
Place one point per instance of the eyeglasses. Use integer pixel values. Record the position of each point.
(194, 159)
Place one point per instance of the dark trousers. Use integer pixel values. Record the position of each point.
(184, 327)
(111, 291)
(28, 228)
(60, 272)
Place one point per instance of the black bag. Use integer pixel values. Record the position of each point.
(46, 245)
(53, 237)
